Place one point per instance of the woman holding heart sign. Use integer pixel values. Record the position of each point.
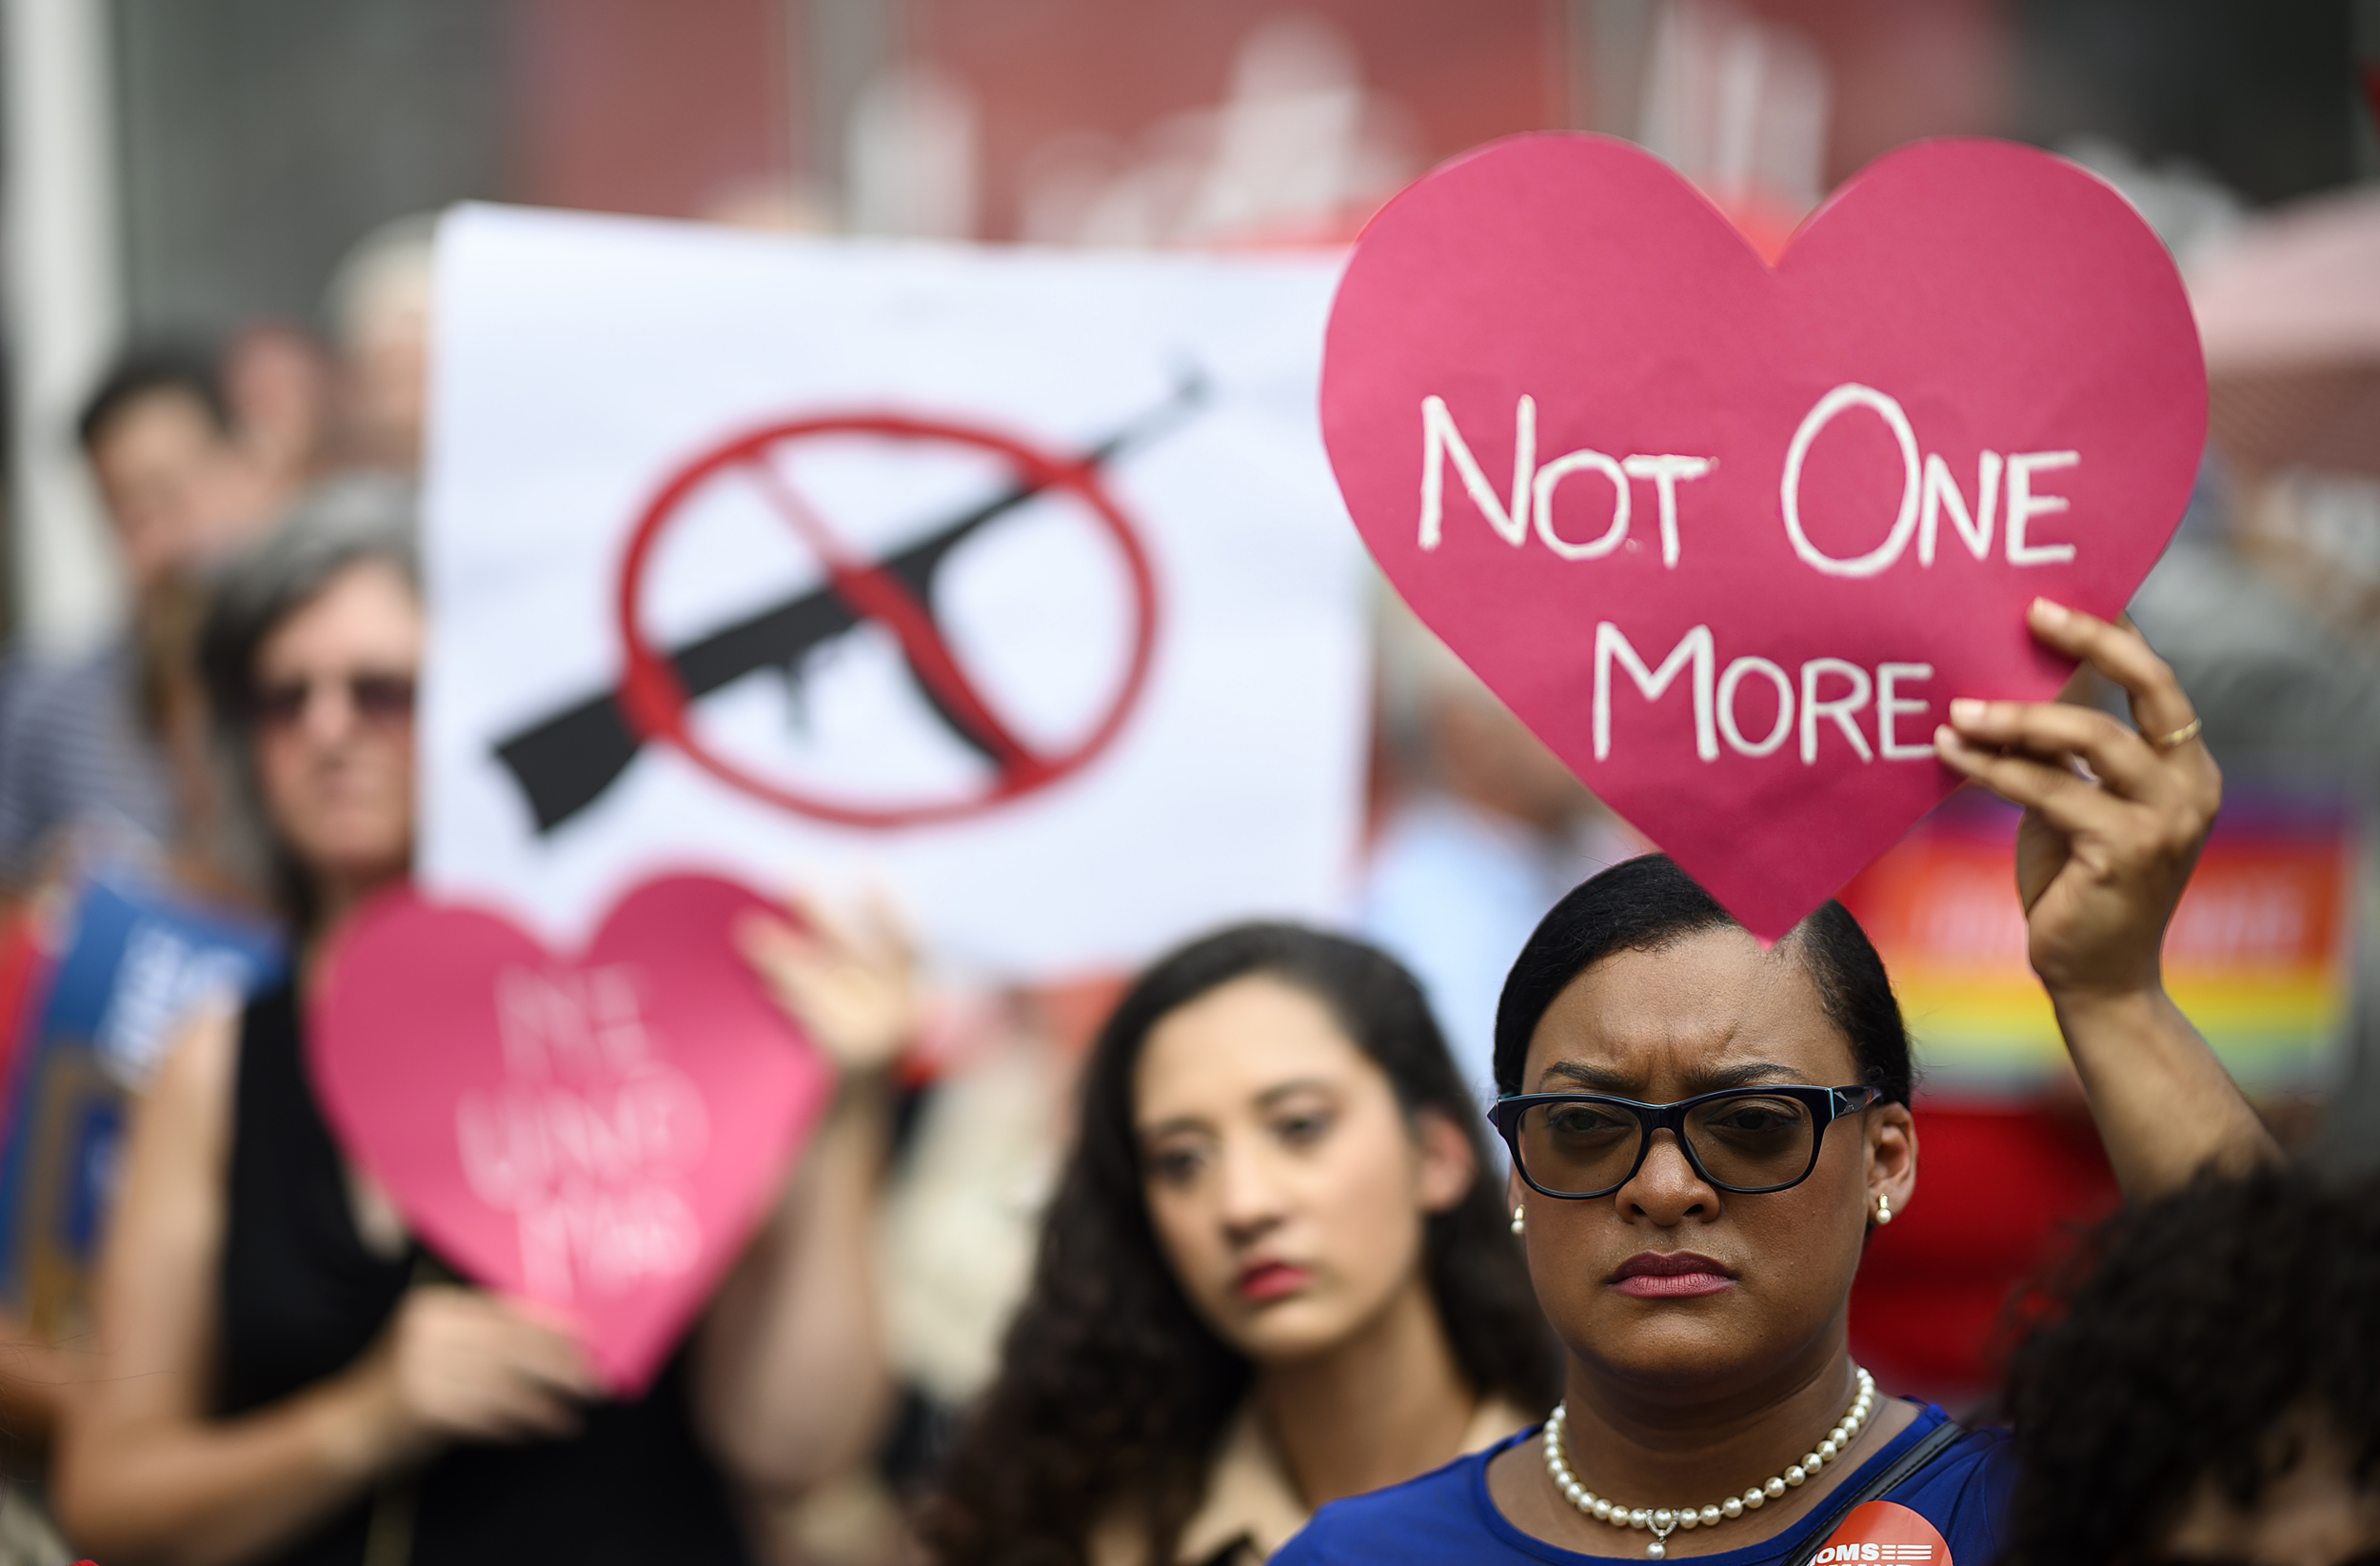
(1704, 1131)
(289, 1377)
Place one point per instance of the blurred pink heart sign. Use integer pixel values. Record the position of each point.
(597, 1133)
(1728, 536)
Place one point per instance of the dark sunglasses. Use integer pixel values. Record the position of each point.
(1578, 1147)
(380, 699)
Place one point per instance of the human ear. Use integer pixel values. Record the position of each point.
(1892, 1157)
(1446, 1166)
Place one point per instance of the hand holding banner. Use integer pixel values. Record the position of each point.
(1762, 523)
(599, 1134)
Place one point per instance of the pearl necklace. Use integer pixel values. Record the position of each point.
(1661, 1523)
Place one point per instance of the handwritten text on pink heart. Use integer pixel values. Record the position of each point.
(599, 1133)
(1761, 522)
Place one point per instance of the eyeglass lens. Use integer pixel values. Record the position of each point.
(1751, 1141)
(376, 698)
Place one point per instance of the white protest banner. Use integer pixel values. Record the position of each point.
(1013, 581)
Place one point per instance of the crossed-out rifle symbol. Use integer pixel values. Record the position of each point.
(567, 761)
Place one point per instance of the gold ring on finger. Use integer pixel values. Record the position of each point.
(2181, 736)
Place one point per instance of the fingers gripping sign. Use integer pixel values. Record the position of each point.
(457, 1364)
(1970, 384)
(2105, 847)
(2114, 818)
(850, 980)
(1764, 519)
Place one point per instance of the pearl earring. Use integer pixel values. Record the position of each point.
(1520, 1221)
(1883, 1210)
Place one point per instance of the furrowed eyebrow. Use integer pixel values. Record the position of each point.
(1751, 1074)
(1586, 1076)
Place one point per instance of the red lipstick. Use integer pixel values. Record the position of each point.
(1670, 1274)
(1264, 1282)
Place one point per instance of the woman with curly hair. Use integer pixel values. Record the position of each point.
(2208, 1394)
(1276, 1271)
(1705, 1129)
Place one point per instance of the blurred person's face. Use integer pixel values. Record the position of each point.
(2313, 1513)
(1288, 1188)
(333, 727)
(173, 483)
(384, 384)
(1762, 1301)
(278, 386)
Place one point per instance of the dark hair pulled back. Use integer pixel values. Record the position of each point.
(1644, 904)
(1112, 1392)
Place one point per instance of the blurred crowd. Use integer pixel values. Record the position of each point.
(260, 491)
(860, 1390)
(197, 451)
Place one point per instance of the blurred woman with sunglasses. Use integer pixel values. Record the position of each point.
(288, 1375)
(1275, 1271)
(1704, 1132)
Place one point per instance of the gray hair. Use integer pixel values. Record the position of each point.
(386, 273)
(345, 522)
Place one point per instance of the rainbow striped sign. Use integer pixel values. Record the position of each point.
(2258, 955)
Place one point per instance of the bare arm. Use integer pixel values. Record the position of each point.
(2101, 862)
(145, 1475)
(792, 1385)
(138, 1478)
(791, 1381)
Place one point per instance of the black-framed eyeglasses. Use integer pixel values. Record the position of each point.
(1750, 1141)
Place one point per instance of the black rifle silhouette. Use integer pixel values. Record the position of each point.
(565, 763)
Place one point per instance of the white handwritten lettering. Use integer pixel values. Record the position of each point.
(588, 1140)
(2023, 506)
(1440, 439)
(1694, 647)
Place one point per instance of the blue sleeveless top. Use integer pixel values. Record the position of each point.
(1447, 1517)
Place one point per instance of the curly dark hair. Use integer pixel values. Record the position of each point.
(1112, 1392)
(1648, 902)
(2185, 1338)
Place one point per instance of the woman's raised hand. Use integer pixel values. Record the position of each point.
(851, 984)
(2114, 817)
(2101, 859)
(459, 1365)
(791, 1383)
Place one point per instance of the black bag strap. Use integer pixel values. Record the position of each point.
(1936, 1442)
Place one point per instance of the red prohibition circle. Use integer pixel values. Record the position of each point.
(654, 700)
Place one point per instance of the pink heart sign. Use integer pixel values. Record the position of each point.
(598, 1133)
(1728, 536)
